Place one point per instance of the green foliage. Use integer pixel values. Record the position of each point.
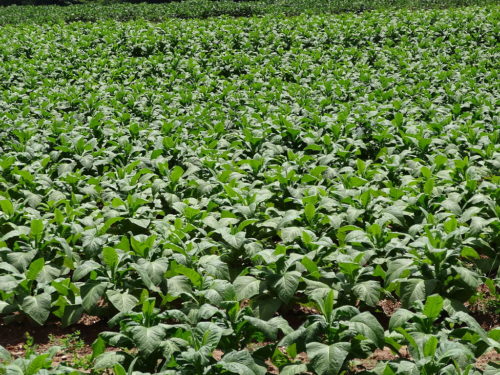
(229, 193)
(125, 10)
(73, 345)
(33, 363)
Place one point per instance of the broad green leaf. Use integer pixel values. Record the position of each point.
(98, 347)
(241, 363)
(294, 369)
(469, 277)
(84, 269)
(147, 338)
(92, 243)
(72, 313)
(289, 234)
(37, 307)
(48, 273)
(471, 323)
(433, 306)
(215, 266)
(309, 211)
(4, 306)
(35, 268)
(36, 364)
(311, 267)
(469, 252)
(176, 173)
(367, 325)
(492, 369)
(8, 283)
(208, 334)
(286, 285)
(266, 307)
(430, 346)
(91, 292)
(327, 359)
(429, 186)
(235, 240)
(109, 360)
(357, 236)
(20, 231)
(178, 284)
(152, 273)
(413, 290)
(110, 257)
(4, 354)
(246, 287)
(36, 228)
(271, 327)
(123, 302)
(7, 207)
(399, 318)
(368, 292)
(190, 273)
(118, 369)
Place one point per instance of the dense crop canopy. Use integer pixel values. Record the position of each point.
(255, 187)
(159, 10)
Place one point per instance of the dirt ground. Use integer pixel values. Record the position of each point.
(13, 336)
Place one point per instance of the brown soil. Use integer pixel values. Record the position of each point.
(217, 354)
(300, 358)
(389, 306)
(387, 355)
(491, 356)
(298, 314)
(14, 336)
(271, 368)
(483, 309)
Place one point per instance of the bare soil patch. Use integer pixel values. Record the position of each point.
(485, 309)
(14, 336)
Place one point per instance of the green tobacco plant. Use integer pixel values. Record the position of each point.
(186, 345)
(33, 363)
(344, 333)
(235, 193)
(437, 345)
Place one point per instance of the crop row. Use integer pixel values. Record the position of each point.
(254, 188)
(98, 10)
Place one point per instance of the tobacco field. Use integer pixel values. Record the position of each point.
(249, 195)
